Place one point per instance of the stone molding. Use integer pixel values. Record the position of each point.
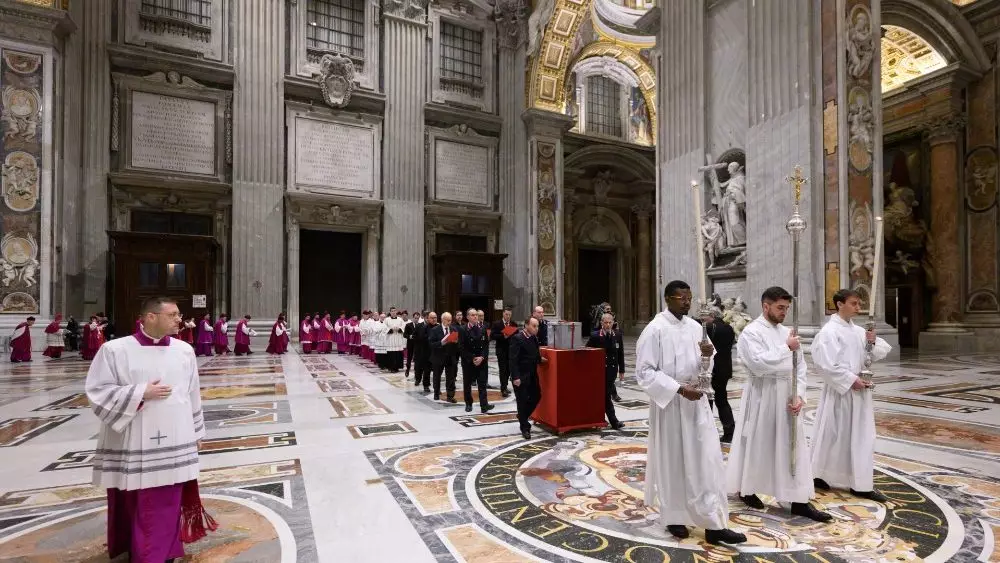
(195, 40)
(410, 11)
(37, 24)
(944, 129)
(348, 214)
(511, 22)
(305, 61)
(480, 94)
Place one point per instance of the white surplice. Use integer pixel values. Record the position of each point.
(394, 341)
(154, 444)
(760, 458)
(844, 441)
(684, 468)
(378, 334)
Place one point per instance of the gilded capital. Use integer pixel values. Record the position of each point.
(945, 128)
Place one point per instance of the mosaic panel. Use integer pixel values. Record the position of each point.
(208, 372)
(380, 429)
(74, 401)
(357, 405)
(16, 431)
(262, 511)
(337, 386)
(246, 414)
(489, 419)
(975, 439)
(978, 392)
(924, 403)
(238, 391)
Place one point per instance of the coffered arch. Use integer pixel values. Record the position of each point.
(942, 26)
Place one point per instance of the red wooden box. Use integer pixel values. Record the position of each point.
(572, 389)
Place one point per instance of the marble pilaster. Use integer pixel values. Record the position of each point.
(404, 28)
(96, 112)
(945, 203)
(642, 210)
(258, 243)
(545, 153)
(513, 181)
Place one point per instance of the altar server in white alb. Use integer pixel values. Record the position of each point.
(395, 342)
(684, 471)
(760, 459)
(844, 442)
(144, 389)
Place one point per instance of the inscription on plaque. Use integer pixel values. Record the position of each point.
(171, 133)
(334, 156)
(462, 172)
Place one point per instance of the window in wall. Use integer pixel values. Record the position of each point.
(197, 12)
(337, 26)
(461, 53)
(604, 110)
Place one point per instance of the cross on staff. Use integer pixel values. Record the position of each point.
(795, 226)
(797, 180)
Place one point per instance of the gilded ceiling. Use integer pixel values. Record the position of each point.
(905, 57)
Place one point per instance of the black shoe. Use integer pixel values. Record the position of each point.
(753, 501)
(452, 400)
(427, 389)
(821, 484)
(724, 536)
(505, 393)
(488, 408)
(871, 495)
(468, 408)
(526, 434)
(807, 510)
(437, 396)
(678, 531)
(616, 398)
(488, 386)
(617, 425)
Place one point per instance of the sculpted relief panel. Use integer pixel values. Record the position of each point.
(173, 134)
(333, 155)
(21, 158)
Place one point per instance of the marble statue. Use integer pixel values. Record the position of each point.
(28, 272)
(733, 206)
(735, 315)
(336, 79)
(905, 262)
(860, 44)
(861, 121)
(714, 236)
(7, 271)
(902, 227)
(536, 24)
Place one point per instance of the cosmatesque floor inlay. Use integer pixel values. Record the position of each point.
(389, 474)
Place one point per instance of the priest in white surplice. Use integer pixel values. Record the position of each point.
(844, 441)
(759, 461)
(684, 471)
(395, 342)
(144, 389)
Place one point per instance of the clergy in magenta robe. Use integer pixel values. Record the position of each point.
(205, 337)
(221, 335)
(340, 333)
(144, 389)
(188, 326)
(93, 338)
(54, 343)
(306, 335)
(354, 338)
(243, 334)
(684, 470)
(278, 342)
(20, 342)
(325, 335)
(843, 447)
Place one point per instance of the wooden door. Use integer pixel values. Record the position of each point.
(144, 265)
(468, 279)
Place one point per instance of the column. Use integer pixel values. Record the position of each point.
(680, 136)
(96, 113)
(294, 271)
(545, 155)
(571, 263)
(642, 211)
(258, 160)
(405, 73)
(946, 207)
(513, 180)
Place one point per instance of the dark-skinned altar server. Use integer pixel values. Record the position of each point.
(684, 471)
(54, 342)
(205, 337)
(340, 333)
(243, 334)
(843, 447)
(395, 343)
(145, 390)
(354, 338)
(20, 342)
(306, 334)
(278, 341)
(222, 335)
(760, 458)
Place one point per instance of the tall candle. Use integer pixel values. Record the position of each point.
(701, 242)
(876, 270)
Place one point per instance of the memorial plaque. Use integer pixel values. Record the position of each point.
(174, 134)
(334, 156)
(462, 173)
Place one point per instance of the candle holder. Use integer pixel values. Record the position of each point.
(705, 375)
(866, 374)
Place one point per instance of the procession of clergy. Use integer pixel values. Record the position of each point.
(141, 385)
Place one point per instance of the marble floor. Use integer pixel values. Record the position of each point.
(324, 459)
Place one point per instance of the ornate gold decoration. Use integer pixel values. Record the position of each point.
(831, 127)
(628, 57)
(906, 56)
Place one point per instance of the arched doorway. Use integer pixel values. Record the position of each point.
(603, 258)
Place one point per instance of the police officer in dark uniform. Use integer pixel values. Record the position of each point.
(610, 341)
(524, 360)
(723, 337)
(473, 346)
(502, 347)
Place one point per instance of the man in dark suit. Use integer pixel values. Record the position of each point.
(543, 327)
(723, 337)
(524, 360)
(443, 357)
(411, 325)
(474, 345)
(502, 347)
(421, 354)
(610, 340)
